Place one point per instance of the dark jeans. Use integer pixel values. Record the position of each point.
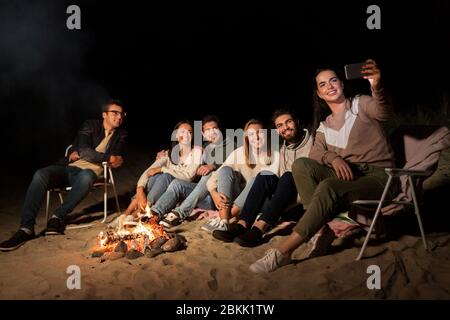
(56, 176)
(270, 196)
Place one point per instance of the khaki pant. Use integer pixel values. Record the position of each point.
(324, 195)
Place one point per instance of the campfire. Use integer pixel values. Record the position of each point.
(134, 239)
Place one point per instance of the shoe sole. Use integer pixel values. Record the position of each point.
(242, 243)
(12, 248)
(317, 250)
(224, 239)
(166, 225)
(53, 233)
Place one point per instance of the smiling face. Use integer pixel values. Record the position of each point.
(256, 136)
(184, 134)
(287, 127)
(329, 87)
(211, 131)
(113, 118)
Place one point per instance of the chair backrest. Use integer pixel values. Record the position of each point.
(407, 140)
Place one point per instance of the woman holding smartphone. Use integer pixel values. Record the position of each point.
(346, 162)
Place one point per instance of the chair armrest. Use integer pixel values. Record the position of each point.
(66, 153)
(397, 172)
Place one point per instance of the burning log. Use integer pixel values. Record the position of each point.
(176, 243)
(134, 239)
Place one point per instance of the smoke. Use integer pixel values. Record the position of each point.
(43, 94)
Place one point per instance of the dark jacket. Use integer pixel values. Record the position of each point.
(89, 137)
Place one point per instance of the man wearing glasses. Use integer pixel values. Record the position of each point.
(97, 141)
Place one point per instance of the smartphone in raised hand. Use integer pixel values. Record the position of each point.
(354, 71)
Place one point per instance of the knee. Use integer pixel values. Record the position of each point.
(166, 176)
(327, 186)
(87, 177)
(40, 175)
(225, 171)
(302, 165)
(175, 185)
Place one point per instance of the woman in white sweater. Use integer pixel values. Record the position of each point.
(239, 169)
(181, 162)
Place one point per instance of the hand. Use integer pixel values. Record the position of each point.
(371, 72)
(74, 156)
(342, 169)
(162, 154)
(141, 200)
(220, 200)
(115, 161)
(205, 169)
(153, 171)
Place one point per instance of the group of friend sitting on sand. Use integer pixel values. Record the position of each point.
(254, 180)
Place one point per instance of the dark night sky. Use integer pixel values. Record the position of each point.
(167, 62)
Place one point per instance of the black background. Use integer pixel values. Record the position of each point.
(168, 61)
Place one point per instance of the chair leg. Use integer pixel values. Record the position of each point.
(377, 212)
(47, 205)
(115, 191)
(417, 212)
(105, 197)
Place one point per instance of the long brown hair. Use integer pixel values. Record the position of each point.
(247, 143)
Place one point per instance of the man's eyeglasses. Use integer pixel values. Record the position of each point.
(117, 113)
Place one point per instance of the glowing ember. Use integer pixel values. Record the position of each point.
(137, 235)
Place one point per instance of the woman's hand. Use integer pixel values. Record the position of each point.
(153, 171)
(371, 72)
(220, 200)
(205, 169)
(342, 169)
(141, 199)
(162, 154)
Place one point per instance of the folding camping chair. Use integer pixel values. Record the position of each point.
(407, 143)
(104, 181)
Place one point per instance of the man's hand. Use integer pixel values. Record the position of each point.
(153, 171)
(371, 72)
(220, 200)
(342, 169)
(162, 154)
(205, 169)
(115, 161)
(74, 156)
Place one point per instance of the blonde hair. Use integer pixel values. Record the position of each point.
(247, 143)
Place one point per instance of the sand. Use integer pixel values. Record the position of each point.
(210, 269)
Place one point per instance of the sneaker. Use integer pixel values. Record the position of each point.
(211, 225)
(232, 232)
(18, 239)
(251, 238)
(272, 260)
(54, 226)
(171, 220)
(319, 244)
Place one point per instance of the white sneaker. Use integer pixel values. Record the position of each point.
(319, 244)
(223, 225)
(171, 220)
(272, 260)
(216, 224)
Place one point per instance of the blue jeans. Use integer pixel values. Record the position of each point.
(194, 195)
(270, 196)
(157, 185)
(230, 184)
(56, 176)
